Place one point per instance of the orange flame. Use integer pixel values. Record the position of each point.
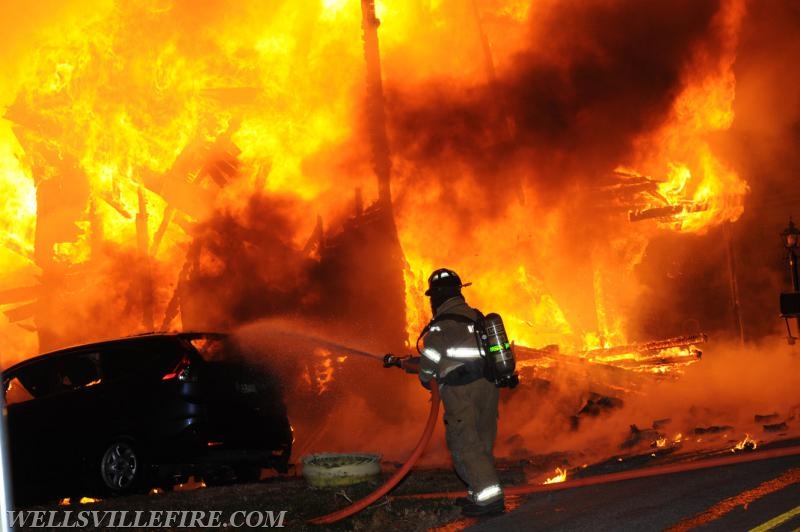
(560, 476)
(121, 101)
(747, 443)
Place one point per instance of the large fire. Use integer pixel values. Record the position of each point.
(171, 164)
(136, 109)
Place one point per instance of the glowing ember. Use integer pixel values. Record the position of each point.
(83, 500)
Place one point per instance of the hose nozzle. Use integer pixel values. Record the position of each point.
(390, 360)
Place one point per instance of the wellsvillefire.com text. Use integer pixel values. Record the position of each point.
(145, 518)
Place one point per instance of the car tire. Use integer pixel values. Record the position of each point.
(122, 468)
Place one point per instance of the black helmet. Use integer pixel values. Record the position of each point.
(444, 278)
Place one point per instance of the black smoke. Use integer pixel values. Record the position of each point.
(569, 105)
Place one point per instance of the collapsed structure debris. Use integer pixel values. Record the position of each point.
(657, 355)
(638, 437)
(713, 429)
(765, 418)
(776, 427)
(641, 196)
(600, 379)
(668, 211)
(595, 405)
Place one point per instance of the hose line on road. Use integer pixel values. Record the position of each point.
(625, 475)
(398, 476)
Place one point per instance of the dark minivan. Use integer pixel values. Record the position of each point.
(146, 411)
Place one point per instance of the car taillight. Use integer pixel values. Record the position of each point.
(183, 371)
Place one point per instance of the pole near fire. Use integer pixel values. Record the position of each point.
(376, 113)
(738, 323)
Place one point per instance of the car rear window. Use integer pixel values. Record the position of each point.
(210, 347)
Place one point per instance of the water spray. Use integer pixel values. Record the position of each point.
(281, 328)
(340, 347)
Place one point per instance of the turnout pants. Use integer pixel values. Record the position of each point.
(470, 418)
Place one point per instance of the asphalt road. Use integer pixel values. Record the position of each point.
(761, 495)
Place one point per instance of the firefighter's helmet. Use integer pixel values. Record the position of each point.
(442, 279)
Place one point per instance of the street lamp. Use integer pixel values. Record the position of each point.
(791, 241)
(790, 301)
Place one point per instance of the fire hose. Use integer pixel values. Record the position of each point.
(398, 476)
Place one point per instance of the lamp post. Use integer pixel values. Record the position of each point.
(790, 302)
(791, 241)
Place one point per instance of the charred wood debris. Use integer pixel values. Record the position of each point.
(639, 195)
(601, 381)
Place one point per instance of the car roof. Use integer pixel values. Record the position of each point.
(103, 344)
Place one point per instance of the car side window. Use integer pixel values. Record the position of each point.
(79, 371)
(31, 382)
(16, 392)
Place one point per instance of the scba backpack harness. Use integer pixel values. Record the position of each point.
(497, 355)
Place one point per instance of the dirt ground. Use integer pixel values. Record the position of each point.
(302, 502)
(395, 512)
(290, 493)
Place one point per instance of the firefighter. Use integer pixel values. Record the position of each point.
(451, 354)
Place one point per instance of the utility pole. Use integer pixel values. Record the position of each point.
(376, 113)
(736, 307)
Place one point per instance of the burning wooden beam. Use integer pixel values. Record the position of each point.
(667, 212)
(613, 371)
(182, 186)
(18, 295)
(146, 282)
(652, 348)
(22, 312)
(658, 356)
(583, 376)
(13, 244)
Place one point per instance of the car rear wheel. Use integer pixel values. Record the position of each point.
(121, 467)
